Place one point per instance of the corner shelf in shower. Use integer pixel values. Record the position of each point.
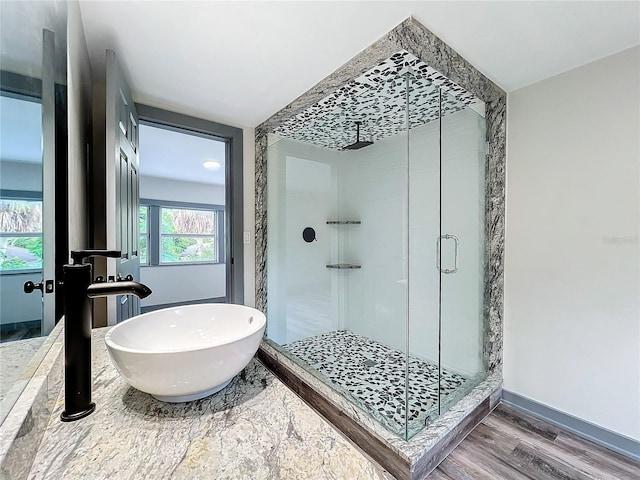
(344, 266)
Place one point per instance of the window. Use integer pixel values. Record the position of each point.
(188, 236)
(171, 234)
(143, 222)
(20, 235)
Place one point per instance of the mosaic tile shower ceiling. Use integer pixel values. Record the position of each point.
(378, 100)
(373, 376)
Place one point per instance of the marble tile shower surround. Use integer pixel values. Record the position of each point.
(412, 37)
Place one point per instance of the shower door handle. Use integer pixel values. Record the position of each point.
(456, 243)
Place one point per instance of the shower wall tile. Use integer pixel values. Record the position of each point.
(261, 221)
(496, 111)
(377, 100)
(414, 38)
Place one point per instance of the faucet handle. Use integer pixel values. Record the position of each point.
(79, 255)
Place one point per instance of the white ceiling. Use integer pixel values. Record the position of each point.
(179, 156)
(239, 62)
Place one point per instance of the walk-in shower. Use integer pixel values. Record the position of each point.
(387, 305)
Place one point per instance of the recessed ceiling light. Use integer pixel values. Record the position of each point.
(211, 164)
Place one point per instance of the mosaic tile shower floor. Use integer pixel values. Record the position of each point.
(373, 376)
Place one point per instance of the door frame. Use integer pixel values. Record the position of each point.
(232, 136)
(23, 87)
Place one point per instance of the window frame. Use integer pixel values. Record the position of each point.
(154, 233)
(28, 196)
(146, 234)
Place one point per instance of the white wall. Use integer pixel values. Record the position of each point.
(302, 186)
(373, 186)
(572, 259)
(182, 283)
(156, 188)
(249, 214)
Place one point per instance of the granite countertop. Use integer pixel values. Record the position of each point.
(14, 359)
(256, 428)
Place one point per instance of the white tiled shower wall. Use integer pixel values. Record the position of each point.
(309, 185)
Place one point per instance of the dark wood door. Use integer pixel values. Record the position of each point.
(123, 190)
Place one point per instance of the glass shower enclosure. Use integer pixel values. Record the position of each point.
(376, 247)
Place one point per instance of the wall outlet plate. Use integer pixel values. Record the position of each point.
(247, 237)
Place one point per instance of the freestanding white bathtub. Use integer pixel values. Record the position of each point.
(185, 353)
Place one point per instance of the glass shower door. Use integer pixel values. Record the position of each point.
(373, 191)
(375, 249)
(423, 170)
(446, 251)
(461, 250)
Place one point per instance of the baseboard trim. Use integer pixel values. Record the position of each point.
(13, 326)
(151, 308)
(611, 440)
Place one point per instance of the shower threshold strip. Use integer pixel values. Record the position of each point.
(372, 376)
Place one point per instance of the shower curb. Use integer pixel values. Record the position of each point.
(405, 460)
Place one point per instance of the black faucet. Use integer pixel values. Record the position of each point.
(78, 292)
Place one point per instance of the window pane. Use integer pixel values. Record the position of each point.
(143, 249)
(143, 218)
(187, 249)
(20, 253)
(20, 216)
(198, 222)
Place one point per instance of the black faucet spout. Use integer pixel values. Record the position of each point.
(104, 289)
(78, 318)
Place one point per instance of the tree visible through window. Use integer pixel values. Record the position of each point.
(187, 235)
(20, 235)
(171, 234)
(143, 221)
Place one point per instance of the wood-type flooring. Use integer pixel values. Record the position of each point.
(509, 444)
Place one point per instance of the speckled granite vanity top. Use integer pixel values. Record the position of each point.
(14, 358)
(256, 428)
